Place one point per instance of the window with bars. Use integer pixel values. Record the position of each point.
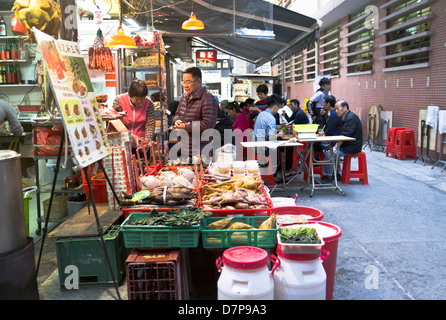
(298, 67)
(310, 61)
(360, 44)
(288, 69)
(329, 55)
(408, 34)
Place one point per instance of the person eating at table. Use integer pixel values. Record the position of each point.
(350, 126)
(265, 130)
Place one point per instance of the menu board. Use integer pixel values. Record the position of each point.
(75, 98)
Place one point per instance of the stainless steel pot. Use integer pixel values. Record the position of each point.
(12, 213)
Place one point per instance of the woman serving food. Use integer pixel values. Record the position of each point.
(140, 119)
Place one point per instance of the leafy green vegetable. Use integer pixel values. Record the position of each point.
(299, 235)
(182, 217)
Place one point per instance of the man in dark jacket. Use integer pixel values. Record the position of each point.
(350, 127)
(298, 116)
(197, 112)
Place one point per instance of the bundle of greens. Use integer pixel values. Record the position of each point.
(299, 235)
(182, 217)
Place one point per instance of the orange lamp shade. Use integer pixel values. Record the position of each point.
(192, 23)
(119, 40)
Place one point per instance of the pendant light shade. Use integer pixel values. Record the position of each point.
(192, 23)
(120, 40)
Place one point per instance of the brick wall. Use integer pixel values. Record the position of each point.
(402, 92)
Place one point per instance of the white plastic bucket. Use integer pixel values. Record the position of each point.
(245, 275)
(299, 277)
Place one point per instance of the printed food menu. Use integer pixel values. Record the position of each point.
(75, 98)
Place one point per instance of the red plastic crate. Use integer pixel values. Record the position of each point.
(99, 192)
(154, 275)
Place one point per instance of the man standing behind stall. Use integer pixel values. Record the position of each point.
(7, 113)
(197, 105)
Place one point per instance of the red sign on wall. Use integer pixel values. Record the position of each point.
(206, 58)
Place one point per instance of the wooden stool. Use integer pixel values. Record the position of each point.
(361, 173)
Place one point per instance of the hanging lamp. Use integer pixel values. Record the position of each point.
(193, 23)
(119, 39)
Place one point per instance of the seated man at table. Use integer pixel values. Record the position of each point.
(298, 116)
(265, 130)
(350, 126)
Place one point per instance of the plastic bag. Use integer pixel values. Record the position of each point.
(227, 153)
(49, 139)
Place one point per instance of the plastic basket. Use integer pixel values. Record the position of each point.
(99, 192)
(264, 238)
(158, 236)
(154, 275)
(95, 179)
(300, 248)
(87, 254)
(306, 127)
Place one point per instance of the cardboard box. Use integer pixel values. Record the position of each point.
(118, 165)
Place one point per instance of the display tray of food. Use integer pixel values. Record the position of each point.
(240, 195)
(220, 232)
(299, 239)
(176, 228)
(168, 189)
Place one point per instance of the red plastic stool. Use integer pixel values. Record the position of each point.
(405, 144)
(316, 169)
(361, 173)
(391, 136)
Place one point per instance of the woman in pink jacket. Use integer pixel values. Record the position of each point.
(140, 118)
(241, 121)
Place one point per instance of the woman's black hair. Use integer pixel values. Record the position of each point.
(138, 88)
(234, 105)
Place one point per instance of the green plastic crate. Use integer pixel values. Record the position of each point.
(87, 254)
(263, 238)
(158, 236)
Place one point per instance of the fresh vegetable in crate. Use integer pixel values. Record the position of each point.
(99, 56)
(182, 217)
(299, 235)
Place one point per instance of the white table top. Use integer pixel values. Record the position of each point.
(270, 144)
(326, 139)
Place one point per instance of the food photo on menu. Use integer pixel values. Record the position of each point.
(81, 83)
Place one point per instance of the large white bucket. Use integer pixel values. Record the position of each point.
(245, 275)
(299, 279)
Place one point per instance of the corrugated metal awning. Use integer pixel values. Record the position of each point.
(235, 30)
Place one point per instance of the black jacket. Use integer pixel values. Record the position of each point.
(298, 117)
(351, 127)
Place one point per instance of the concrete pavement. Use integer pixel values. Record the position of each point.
(393, 242)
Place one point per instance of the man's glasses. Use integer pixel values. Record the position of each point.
(188, 82)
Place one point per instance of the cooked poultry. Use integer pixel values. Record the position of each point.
(45, 15)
